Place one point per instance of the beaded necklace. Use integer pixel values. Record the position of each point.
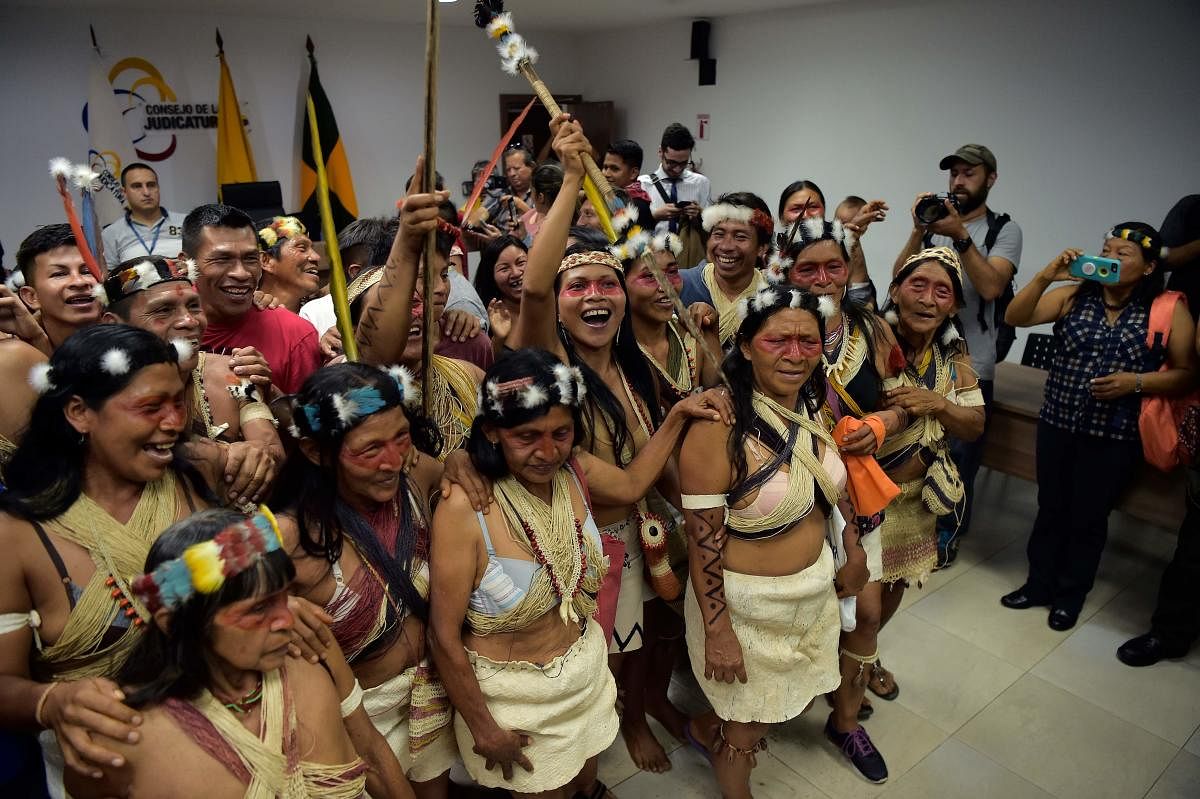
(553, 533)
(248, 700)
(681, 350)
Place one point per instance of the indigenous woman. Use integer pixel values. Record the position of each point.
(498, 279)
(1115, 343)
(682, 369)
(805, 200)
(859, 352)
(740, 233)
(585, 292)
(762, 613)
(678, 360)
(357, 527)
(939, 392)
(391, 325)
(92, 486)
(222, 704)
(514, 587)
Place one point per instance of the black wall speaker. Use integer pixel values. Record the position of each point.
(701, 28)
(708, 72)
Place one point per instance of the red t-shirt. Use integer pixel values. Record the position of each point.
(290, 344)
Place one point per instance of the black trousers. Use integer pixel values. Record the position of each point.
(1080, 479)
(1177, 616)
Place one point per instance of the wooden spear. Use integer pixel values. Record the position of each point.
(429, 184)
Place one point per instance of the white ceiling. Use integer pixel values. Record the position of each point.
(556, 14)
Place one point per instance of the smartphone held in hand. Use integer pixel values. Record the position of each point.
(1093, 267)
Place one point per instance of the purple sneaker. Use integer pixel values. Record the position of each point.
(859, 750)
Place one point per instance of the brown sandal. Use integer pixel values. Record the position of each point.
(880, 679)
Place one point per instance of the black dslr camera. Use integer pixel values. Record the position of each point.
(931, 209)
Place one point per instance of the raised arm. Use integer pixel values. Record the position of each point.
(382, 331)
(537, 324)
(1033, 305)
(613, 485)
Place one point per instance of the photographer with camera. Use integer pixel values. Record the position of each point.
(989, 246)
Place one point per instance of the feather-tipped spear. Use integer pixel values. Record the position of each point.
(517, 58)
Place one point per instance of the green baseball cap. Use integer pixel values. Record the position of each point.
(974, 154)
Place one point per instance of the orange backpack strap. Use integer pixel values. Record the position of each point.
(1162, 313)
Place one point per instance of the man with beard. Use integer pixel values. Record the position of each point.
(989, 246)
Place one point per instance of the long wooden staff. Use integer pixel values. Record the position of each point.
(337, 277)
(429, 184)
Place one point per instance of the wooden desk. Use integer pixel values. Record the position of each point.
(1011, 445)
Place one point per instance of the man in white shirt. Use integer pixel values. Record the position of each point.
(148, 228)
(677, 194)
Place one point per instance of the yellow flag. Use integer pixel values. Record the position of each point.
(235, 162)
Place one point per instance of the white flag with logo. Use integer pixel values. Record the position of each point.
(110, 147)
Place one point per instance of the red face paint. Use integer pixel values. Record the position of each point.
(791, 347)
(163, 409)
(605, 287)
(806, 273)
(386, 456)
(647, 279)
(260, 613)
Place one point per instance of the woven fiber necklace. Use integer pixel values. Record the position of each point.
(553, 533)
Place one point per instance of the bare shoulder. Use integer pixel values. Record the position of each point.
(16, 354)
(453, 510)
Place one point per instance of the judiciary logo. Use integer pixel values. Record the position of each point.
(152, 112)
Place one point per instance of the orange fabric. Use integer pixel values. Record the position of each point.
(870, 489)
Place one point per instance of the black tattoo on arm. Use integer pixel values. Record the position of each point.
(708, 577)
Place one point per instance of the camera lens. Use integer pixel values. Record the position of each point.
(930, 210)
(1088, 268)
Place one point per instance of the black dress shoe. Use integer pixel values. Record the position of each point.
(1019, 600)
(1061, 620)
(1148, 649)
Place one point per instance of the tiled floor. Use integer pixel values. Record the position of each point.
(994, 704)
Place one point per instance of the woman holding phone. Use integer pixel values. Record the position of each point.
(1088, 444)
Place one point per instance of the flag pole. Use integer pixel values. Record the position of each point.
(337, 277)
(429, 185)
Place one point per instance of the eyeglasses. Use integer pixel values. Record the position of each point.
(678, 164)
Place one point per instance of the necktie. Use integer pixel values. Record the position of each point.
(673, 225)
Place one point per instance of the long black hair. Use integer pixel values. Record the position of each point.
(485, 272)
(45, 476)
(740, 371)
(173, 663)
(632, 362)
(799, 185)
(1151, 285)
(538, 365)
(309, 491)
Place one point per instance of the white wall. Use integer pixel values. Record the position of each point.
(372, 72)
(1092, 109)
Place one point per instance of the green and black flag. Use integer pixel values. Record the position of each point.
(341, 185)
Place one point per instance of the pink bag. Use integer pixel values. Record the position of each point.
(614, 550)
(1163, 418)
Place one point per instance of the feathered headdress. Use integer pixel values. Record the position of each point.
(62, 171)
(342, 410)
(204, 567)
(562, 386)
